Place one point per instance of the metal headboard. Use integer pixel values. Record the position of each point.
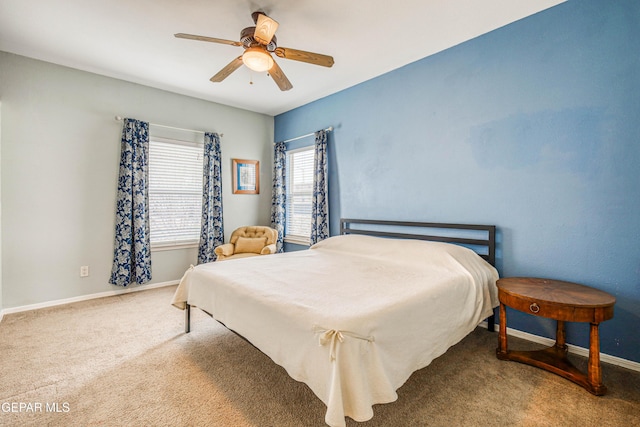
(488, 243)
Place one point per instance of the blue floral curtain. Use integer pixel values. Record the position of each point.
(320, 202)
(212, 233)
(132, 248)
(279, 192)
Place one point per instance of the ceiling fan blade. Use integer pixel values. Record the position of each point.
(278, 76)
(265, 29)
(207, 39)
(301, 55)
(226, 71)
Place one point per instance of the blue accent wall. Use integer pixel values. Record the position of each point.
(534, 127)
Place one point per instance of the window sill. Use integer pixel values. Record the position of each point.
(173, 246)
(297, 240)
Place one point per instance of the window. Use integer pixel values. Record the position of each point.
(175, 193)
(299, 194)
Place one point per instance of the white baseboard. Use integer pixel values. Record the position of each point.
(85, 297)
(581, 351)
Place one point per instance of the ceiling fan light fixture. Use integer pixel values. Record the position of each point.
(257, 59)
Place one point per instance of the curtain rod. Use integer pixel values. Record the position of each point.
(118, 118)
(329, 129)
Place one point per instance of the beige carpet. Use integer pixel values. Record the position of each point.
(125, 361)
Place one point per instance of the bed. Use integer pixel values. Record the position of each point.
(356, 314)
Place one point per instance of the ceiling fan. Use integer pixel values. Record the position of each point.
(259, 43)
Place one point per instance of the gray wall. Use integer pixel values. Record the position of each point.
(0, 209)
(59, 165)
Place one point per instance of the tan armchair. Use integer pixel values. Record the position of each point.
(248, 241)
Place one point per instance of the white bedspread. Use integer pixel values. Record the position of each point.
(353, 316)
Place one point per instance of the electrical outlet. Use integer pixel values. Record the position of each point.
(84, 271)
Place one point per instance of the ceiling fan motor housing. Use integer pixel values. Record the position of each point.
(247, 40)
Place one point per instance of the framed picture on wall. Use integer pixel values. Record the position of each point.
(246, 176)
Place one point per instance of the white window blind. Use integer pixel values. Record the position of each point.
(175, 192)
(299, 195)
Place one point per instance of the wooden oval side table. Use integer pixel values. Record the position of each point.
(564, 302)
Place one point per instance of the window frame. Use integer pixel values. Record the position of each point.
(296, 238)
(174, 245)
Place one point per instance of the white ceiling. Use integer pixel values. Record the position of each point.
(133, 40)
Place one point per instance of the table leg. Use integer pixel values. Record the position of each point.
(594, 372)
(502, 349)
(561, 337)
